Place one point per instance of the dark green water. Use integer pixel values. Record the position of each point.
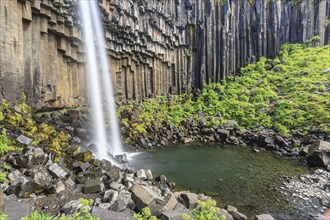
(231, 175)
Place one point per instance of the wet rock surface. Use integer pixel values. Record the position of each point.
(319, 154)
(310, 193)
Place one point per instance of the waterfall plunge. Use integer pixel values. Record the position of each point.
(99, 81)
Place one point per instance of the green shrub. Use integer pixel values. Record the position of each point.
(145, 215)
(5, 143)
(3, 177)
(39, 216)
(205, 210)
(3, 216)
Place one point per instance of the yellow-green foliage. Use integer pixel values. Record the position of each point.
(5, 143)
(42, 134)
(145, 215)
(3, 178)
(205, 210)
(286, 93)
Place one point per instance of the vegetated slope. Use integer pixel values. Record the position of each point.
(288, 94)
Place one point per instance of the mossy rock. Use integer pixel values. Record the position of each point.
(88, 156)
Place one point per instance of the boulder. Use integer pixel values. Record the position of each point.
(42, 160)
(207, 131)
(35, 151)
(225, 214)
(142, 143)
(319, 154)
(23, 161)
(17, 210)
(203, 120)
(22, 187)
(171, 203)
(119, 206)
(161, 179)
(105, 206)
(73, 149)
(189, 200)
(80, 167)
(121, 158)
(223, 133)
(14, 175)
(110, 196)
(180, 207)
(117, 186)
(104, 214)
(187, 140)
(141, 174)
(149, 174)
(70, 182)
(269, 141)
(93, 186)
(42, 178)
(57, 172)
(24, 140)
(264, 217)
(115, 175)
(143, 196)
(106, 165)
(174, 215)
(71, 207)
(59, 186)
(238, 216)
(230, 124)
(279, 140)
(230, 208)
(126, 197)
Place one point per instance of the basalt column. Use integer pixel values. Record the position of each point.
(155, 47)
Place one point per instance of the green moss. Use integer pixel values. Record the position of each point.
(20, 117)
(5, 143)
(88, 156)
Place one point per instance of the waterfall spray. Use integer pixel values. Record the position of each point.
(99, 82)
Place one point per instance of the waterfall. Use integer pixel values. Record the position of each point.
(99, 82)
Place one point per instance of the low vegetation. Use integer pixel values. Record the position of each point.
(206, 210)
(19, 118)
(288, 94)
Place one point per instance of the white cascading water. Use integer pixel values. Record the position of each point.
(99, 82)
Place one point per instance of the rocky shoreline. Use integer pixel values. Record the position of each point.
(37, 181)
(296, 146)
(308, 194)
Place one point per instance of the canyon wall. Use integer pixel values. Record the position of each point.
(155, 47)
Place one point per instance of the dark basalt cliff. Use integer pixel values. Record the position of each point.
(156, 46)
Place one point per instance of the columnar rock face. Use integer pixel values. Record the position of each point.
(155, 47)
(40, 52)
